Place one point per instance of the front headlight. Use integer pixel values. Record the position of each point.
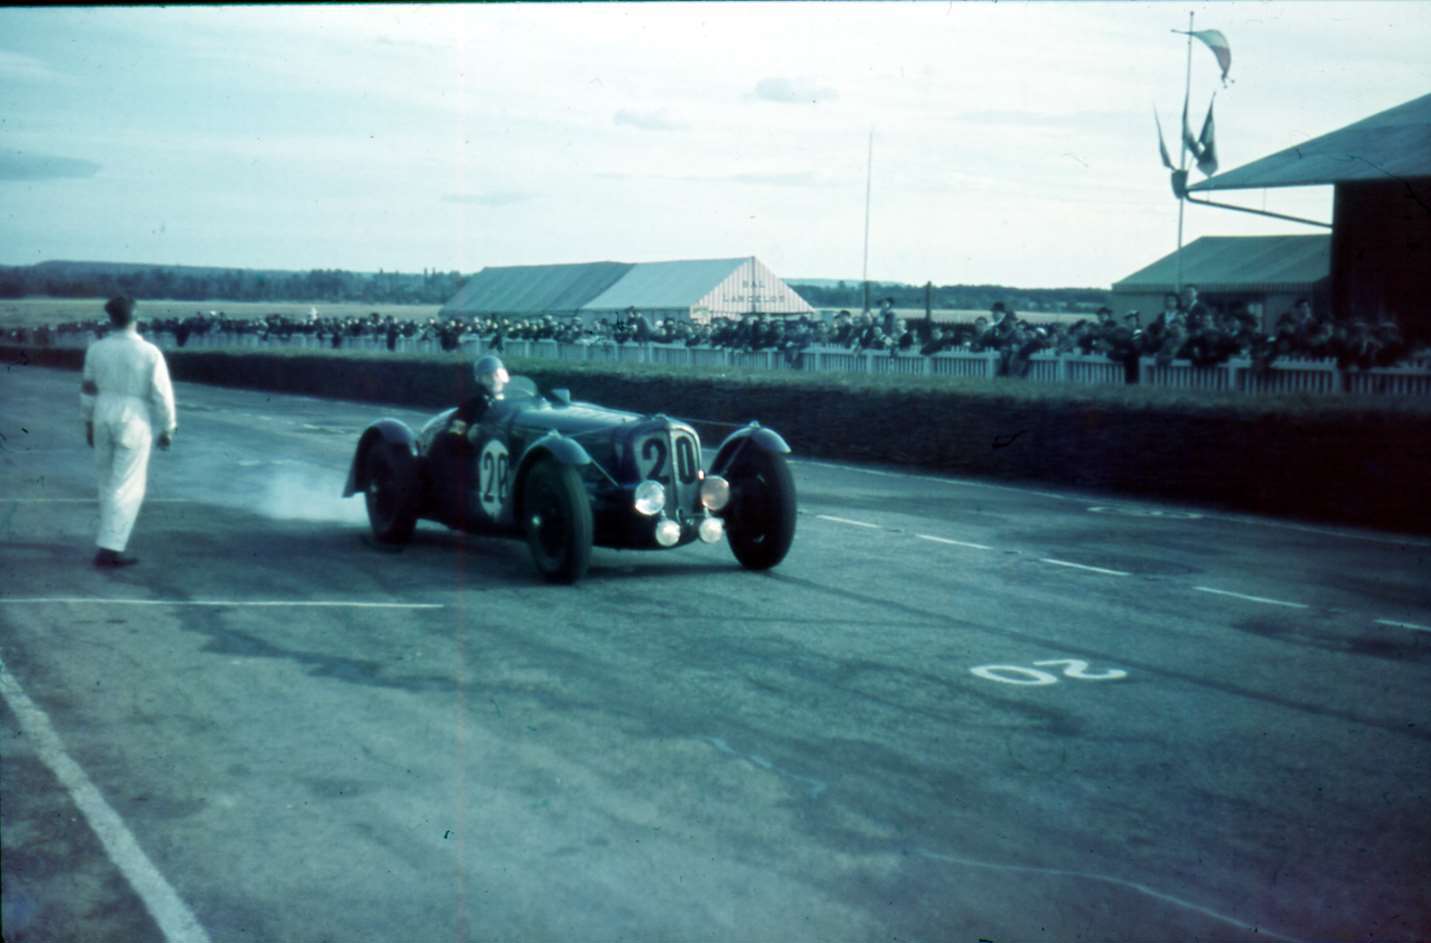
(715, 492)
(650, 497)
(711, 529)
(668, 532)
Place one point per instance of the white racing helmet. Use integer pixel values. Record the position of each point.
(491, 375)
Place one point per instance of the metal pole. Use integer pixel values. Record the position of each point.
(1257, 212)
(869, 177)
(1183, 149)
(754, 308)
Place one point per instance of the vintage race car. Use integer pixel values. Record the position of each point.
(569, 475)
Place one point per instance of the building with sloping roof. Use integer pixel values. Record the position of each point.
(1268, 272)
(1380, 168)
(533, 289)
(699, 290)
(696, 289)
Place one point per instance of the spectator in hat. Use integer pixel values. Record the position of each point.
(1165, 336)
(1194, 311)
(887, 318)
(1124, 343)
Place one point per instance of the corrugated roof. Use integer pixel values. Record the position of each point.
(665, 284)
(518, 289)
(1395, 143)
(1233, 263)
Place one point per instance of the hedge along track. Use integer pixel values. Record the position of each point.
(1353, 461)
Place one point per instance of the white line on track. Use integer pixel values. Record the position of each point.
(91, 501)
(325, 604)
(1261, 599)
(846, 520)
(176, 921)
(1322, 531)
(956, 543)
(1105, 879)
(938, 480)
(1083, 566)
(1404, 625)
(1395, 540)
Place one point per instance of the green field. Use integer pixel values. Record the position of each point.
(30, 312)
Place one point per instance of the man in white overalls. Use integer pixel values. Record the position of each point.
(125, 397)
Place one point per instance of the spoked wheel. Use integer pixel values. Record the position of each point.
(390, 494)
(761, 519)
(557, 516)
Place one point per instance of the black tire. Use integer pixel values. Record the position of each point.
(390, 493)
(760, 522)
(556, 515)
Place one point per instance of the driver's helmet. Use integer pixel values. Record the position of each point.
(491, 375)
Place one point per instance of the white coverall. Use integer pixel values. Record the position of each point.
(127, 396)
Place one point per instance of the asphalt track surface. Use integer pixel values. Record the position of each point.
(958, 711)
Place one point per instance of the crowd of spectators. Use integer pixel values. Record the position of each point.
(1186, 329)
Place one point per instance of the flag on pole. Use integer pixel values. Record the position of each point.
(1189, 142)
(1162, 148)
(1206, 146)
(1203, 148)
(1214, 40)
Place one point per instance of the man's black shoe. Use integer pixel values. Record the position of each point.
(110, 558)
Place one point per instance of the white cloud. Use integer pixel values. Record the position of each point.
(19, 165)
(18, 66)
(793, 91)
(647, 121)
(492, 198)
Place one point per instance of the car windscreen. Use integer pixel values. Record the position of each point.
(519, 387)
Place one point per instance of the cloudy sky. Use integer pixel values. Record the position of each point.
(1013, 143)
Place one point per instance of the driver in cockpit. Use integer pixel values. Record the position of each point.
(492, 378)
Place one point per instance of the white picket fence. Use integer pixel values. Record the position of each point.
(1287, 375)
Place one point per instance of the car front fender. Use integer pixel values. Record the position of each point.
(392, 432)
(559, 448)
(752, 436)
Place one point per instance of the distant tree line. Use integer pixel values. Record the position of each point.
(194, 283)
(958, 297)
(185, 283)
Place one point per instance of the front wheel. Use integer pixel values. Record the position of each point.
(761, 519)
(557, 516)
(390, 493)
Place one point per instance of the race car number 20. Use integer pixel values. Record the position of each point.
(654, 461)
(494, 478)
(1075, 668)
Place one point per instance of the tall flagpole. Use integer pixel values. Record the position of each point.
(869, 176)
(1183, 149)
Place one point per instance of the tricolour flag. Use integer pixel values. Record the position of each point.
(1217, 42)
(1162, 148)
(1203, 148)
(1206, 146)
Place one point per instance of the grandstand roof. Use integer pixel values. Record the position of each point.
(719, 286)
(518, 289)
(1391, 144)
(1239, 263)
(665, 284)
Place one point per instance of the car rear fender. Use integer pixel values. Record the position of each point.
(552, 445)
(393, 433)
(752, 436)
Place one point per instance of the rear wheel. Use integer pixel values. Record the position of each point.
(761, 519)
(557, 516)
(390, 493)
